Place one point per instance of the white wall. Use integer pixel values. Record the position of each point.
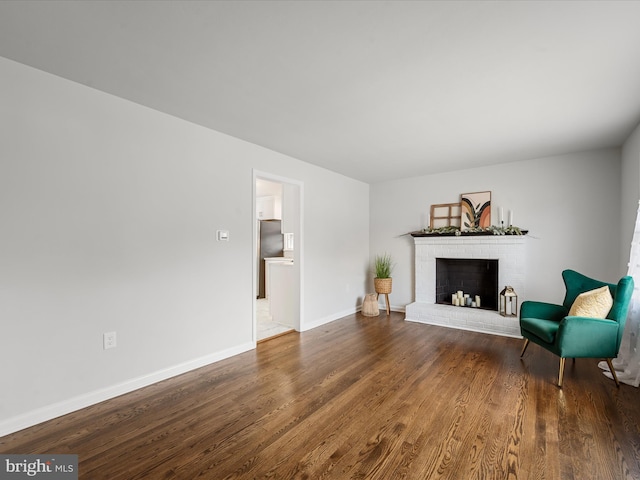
(570, 205)
(108, 215)
(630, 193)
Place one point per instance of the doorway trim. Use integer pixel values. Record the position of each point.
(298, 256)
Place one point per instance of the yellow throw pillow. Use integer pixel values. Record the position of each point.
(593, 304)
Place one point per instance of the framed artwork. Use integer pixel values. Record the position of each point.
(476, 210)
(445, 215)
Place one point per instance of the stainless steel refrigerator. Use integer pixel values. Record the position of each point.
(270, 244)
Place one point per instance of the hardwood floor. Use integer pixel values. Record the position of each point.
(362, 397)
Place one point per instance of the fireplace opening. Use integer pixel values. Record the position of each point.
(472, 276)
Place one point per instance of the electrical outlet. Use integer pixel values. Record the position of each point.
(109, 340)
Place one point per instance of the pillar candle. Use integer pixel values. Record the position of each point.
(477, 300)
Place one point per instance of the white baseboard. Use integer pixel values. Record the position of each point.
(330, 318)
(344, 313)
(382, 306)
(393, 308)
(50, 412)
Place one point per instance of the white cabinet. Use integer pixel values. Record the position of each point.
(269, 208)
(282, 299)
(268, 262)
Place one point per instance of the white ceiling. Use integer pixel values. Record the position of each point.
(375, 90)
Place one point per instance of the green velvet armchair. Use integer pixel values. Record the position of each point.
(549, 325)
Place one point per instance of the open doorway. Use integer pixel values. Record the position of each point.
(277, 220)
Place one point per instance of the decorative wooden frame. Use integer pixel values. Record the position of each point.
(445, 215)
(476, 210)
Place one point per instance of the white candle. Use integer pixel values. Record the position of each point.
(460, 293)
(473, 304)
(428, 220)
(510, 217)
(477, 300)
(501, 216)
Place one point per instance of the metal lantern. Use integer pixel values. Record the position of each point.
(508, 302)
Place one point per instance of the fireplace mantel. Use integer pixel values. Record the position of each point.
(422, 234)
(509, 250)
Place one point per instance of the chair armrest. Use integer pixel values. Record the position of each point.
(547, 311)
(587, 337)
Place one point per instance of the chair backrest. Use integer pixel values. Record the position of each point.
(576, 283)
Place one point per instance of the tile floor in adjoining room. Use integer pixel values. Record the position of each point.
(266, 326)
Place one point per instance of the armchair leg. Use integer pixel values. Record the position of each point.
(526, 344)
(613, 372)
(561, 372)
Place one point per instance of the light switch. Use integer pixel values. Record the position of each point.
(223, 235)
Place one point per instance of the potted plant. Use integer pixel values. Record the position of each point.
(383, 267)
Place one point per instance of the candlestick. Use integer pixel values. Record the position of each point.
(501, 216)
(510, 218)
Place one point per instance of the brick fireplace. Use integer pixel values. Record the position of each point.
(431, 305)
